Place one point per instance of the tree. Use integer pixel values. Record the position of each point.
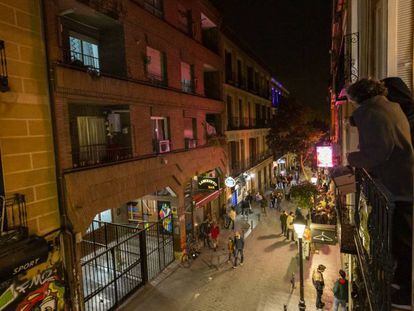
(304, 194)
(294, 131)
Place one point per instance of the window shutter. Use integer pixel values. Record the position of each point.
(405, 41)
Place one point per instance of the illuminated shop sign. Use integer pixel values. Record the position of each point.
(208, 183)
(324, 156)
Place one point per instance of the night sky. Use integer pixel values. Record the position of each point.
(292, 37)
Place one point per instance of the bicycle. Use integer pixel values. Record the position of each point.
(190, 253)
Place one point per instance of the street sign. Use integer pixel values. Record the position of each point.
(230, 182)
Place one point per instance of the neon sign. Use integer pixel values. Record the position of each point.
(324, 156)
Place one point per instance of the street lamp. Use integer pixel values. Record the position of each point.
(299, 224)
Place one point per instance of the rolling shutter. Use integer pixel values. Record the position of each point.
(405, 34)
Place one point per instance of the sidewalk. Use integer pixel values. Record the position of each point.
(262, 283)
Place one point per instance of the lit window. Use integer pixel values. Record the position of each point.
(160, 128)
(84, 50)
(187, 80)
(155, 65)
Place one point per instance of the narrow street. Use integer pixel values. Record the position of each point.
(262, 283)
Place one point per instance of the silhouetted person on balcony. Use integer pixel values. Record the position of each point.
(398, 92)
(385, 147)
(386, 151)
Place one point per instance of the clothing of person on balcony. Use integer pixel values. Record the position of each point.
(398, 92)
(385, 148)
(340, 291)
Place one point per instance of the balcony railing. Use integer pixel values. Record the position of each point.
(373, 240)
(235, 123)
(112, 8)
(236, 168)
(13, 218)
(84, 60)
(157, 79)
(188, 86)
(90, 155)
(258, 158)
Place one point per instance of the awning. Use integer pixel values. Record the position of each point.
(202, 198)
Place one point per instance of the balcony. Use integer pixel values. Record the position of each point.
(99, 134)
(235, 123)
(209, 34)
(112, 8)
(236, 167)
(157, 79)
(369, 221)
(91, 155)
(13, 219)
(188, 86)
(255, 159)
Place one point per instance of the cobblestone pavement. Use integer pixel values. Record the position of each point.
(262, 283)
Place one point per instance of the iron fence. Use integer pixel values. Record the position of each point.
(13, 218)
(118, 259)
(373, 240)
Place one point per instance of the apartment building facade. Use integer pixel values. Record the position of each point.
(369, 39)
(250, 96)
(136, 88)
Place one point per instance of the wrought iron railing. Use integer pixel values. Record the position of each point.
(351, 57)
(89, 155)
(112, 8)
(84, 60)
(157, 79)
(188, 86)
(13, 218)
(373, 239)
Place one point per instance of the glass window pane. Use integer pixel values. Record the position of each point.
(75, 48)
(106, 216)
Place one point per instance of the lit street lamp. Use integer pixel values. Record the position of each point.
(299, 225)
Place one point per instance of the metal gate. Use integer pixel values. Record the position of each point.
(118, 259)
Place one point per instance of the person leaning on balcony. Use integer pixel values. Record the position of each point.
(386, 151)
(385, 148)
(398, 92)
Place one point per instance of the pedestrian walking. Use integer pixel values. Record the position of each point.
(230, 248)
(283, 222)
(319, 283)
(287, 191)
(232, 216)
(205, 233)
(289, 224)
(292, 282)
(340, 291)
(215, 231)
(238, 249)
(245, 207)
(279, 198)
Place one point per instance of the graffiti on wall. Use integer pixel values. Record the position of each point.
(39, 289)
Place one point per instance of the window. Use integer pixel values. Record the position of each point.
(156, 65)
(160, 128)
(91, 139)
(190, 128)
(155, 7)
(185, 20)
(187, 77)
(83, 50)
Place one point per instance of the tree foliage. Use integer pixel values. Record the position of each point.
(294, 131)
(304, 194)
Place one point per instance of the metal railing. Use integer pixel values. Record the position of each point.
(111, 8)
(157, 79)
(373, 239)
(236, 123)
(13, 218)
(100, 153)
(84, 60)
(188, 86)
(236, 168)
(118, 259)
(258, 158)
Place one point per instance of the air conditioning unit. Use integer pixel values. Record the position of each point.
(190, 143)
(163, 146)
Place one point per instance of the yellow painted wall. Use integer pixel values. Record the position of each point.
(26, 143)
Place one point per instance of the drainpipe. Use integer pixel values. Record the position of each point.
(68, 239)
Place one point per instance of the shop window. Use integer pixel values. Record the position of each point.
(84, 50)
